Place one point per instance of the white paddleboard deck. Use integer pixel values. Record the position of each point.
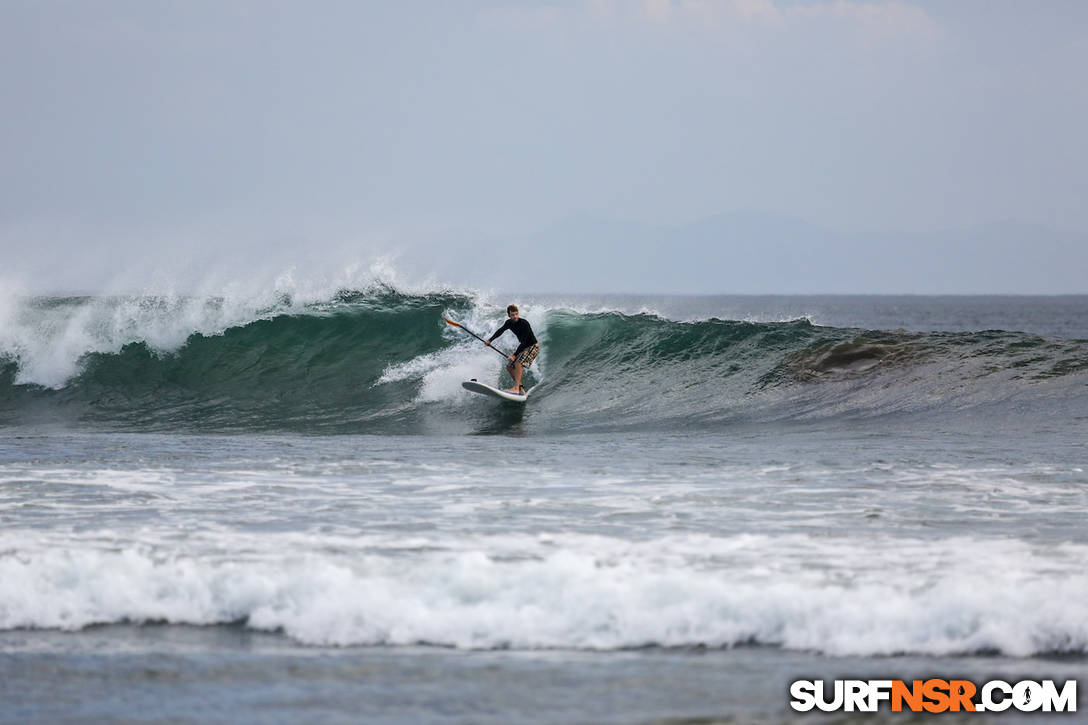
(483, 389)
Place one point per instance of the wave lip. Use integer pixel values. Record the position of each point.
(629, 596)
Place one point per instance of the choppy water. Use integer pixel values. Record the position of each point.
(214, 512)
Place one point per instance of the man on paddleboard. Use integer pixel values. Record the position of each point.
(527, 349)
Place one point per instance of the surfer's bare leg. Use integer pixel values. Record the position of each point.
(514, 369)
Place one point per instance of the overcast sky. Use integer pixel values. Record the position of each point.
(147, 138)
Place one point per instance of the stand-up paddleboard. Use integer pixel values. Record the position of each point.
(478, 387)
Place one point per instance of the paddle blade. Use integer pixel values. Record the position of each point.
(451, 322)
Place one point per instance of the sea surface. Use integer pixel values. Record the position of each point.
(285, 509)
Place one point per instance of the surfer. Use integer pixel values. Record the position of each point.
(527, 348)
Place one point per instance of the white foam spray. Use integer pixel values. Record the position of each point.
(49, 338)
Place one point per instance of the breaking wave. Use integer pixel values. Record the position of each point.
(586, 592)
(383, 361)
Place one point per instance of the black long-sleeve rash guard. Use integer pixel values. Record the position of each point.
(523, 331)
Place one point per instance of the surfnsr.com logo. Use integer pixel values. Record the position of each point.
(933, 695)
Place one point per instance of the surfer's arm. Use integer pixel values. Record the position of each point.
(504, 328)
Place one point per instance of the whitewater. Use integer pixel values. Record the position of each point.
(283, 507)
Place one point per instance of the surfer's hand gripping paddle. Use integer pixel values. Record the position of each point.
(476, 336)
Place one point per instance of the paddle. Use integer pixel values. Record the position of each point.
(476, 336)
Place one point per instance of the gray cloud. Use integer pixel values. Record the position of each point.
(158, 137)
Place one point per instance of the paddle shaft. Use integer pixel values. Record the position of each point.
(476, 336)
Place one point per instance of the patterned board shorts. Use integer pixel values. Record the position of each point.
(526, 356)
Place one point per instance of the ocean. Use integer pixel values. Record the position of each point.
(285, 509)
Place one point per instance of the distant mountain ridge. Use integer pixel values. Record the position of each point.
(760, 253)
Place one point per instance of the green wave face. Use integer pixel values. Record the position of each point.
(384, 362)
